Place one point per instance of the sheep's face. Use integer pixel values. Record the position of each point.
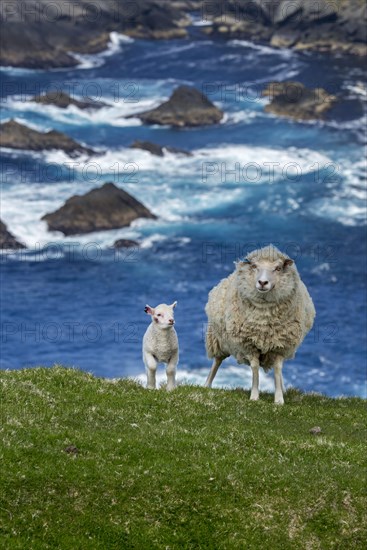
(162, 315)
(265, 278)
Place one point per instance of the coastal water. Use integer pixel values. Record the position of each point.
(251, 180)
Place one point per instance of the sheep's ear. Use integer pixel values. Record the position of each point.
(174, 305)
(149, 310)
(287, 263)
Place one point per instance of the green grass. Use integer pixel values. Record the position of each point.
(194, 468)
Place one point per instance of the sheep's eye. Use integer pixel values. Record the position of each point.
(253, 266)
(159, 314)
(277, 268)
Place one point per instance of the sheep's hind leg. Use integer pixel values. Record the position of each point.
(151, 368)
(213, 371)
(255, 365)
(278, 379)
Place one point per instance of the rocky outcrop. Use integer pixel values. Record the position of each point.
(18, 136)
(294, 100)
(44, 35)
(62, 100)
(106, 207)
(319, 25)
(125, 243)
(158, 150)
(7, 240)
(186, 107)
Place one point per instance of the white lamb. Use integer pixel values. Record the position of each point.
(160, 344)
(260, 314)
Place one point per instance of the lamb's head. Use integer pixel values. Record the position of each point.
(162, 315)
(266, 275)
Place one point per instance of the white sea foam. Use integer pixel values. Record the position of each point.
(261, 49)
(177, 188)
(90, 61)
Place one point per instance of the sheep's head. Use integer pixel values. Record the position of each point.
(266, 274)
(162, 315)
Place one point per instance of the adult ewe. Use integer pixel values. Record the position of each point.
(260, 314)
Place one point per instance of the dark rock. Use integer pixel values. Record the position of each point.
(106, 207)
(158, 150)
(286, 10)
(35, 34)
(7, 240)
(153, 148)
(317, 25)
(125, 243)
(63, 100)
(186, 107)
(19, 136)
(319, 11)
(294, 100)
(284, 38)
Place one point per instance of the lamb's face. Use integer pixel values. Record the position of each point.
(162, 315)
(266, 277)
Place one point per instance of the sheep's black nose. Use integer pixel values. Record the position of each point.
(263, 283)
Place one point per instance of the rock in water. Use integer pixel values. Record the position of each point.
(106, 207)
(18, 136)
(7, 240)
(63, 100)
(125, 243)
(158, 150)
(149, 146)
(294, 100)
(44, 35)
(186, 107)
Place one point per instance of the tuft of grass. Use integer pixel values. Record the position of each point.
(87, 463)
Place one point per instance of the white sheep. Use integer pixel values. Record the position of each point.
(260, 315)
(160, 344)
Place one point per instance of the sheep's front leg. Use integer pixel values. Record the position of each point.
(213, 371)
(255, 365)
(171, 372)
(278, 379)
(151, 368)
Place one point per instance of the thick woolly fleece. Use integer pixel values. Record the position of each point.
(161, 343)
(244, 323)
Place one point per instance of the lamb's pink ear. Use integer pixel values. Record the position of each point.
(174, 305)
(149, 310)
(287, 262)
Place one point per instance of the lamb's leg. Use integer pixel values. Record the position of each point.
(213, 371)
(255, 365)
(151, 368)
(171, 372)
(278, 379)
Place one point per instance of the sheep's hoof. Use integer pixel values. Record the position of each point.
(254, 397)
(170, 388)
(279, 402)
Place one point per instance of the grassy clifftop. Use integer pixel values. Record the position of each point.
(91, 464)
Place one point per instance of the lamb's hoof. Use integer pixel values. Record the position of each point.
(170, 388)
(150, 387)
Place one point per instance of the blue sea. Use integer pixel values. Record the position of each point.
(254, 179)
